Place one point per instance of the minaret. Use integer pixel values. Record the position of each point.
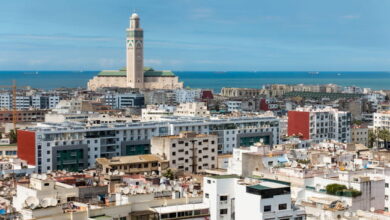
(135, 53)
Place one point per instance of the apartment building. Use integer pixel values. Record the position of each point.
(231, 198)
(187, 95)
(192, 109)
(138, 164)
(320, 123)
(6, 116)
(125, 100)
(37, 101)
(156, 112)
(188, 151)
(381, 120)
(359, 134)
(75, 146)
(233, 106)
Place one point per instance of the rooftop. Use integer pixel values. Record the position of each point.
(129, 159)
(224, 177)
(148, 72)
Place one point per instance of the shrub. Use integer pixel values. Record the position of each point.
(332, 189)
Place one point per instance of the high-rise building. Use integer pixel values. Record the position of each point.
(320, 123)
(135, 74)
(134, 53)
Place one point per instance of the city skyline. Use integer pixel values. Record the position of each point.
(197, 35)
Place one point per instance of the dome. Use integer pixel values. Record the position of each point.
(134, 16)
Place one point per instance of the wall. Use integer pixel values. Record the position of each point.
(298, 122)
(26, 146)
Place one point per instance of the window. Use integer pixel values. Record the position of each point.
(206, 194)
(267, 208)
(223, 211)
(283, 206)
(386, 185)
(223, 198)
(208, 181)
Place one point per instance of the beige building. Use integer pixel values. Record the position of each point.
(188, 152)
(8, 151)
(135, 75)
(138, 164)
(193, 109)
(359, 135)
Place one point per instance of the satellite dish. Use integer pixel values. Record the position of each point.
(53, 202)
(44, 176)
(32, 202)
(162, 187)
(347, 214)
(116, 172)
(372, 209)
(45, 202)
(126, 191)
(121, 173)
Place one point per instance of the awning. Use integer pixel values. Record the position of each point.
(282, 160)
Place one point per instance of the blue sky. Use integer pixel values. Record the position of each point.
(197, 34)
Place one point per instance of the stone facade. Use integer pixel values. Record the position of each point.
(135, 75)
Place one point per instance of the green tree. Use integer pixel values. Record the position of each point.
(384, 135)
(13, 137)
(372, 138)
(332, 189)
(169, 174)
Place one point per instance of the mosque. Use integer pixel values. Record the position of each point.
(135, 74)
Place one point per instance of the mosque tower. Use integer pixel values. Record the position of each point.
(134, 53)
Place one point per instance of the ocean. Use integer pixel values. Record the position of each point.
(210, 80)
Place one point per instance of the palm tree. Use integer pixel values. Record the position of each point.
(384, 136)
(372, 137)
(13, 137)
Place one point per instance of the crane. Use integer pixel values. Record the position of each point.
(13, 87)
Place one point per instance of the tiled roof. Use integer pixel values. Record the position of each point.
(148, 72)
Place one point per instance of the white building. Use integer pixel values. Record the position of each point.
(247, 160)
(125, 100)
(320, 123)
(192, 109)
(48, 144)
(232, 198)
(381, 120)
(135, 75)
(372, 190)
(43, 191)
(189, 152)
(233, 106)
(156, 112)
(187, 95)
(37, 101)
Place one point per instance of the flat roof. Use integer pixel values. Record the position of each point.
(223, 177)
(181, 208)
(129, 159)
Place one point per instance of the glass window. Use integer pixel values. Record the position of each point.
(283, 206)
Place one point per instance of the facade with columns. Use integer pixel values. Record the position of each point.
(135, 75)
